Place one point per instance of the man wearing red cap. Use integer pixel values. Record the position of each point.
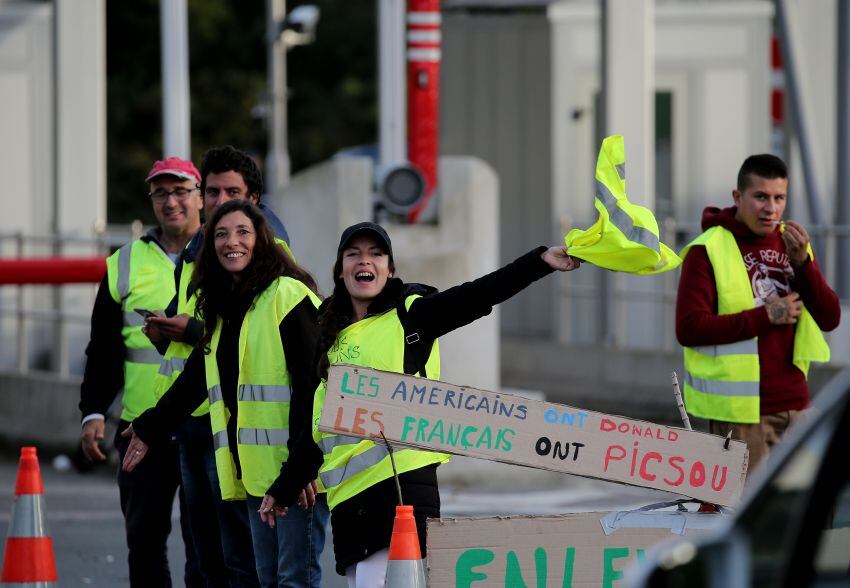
(140, 280)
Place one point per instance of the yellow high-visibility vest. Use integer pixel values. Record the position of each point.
(263, 394)
(139, 275)
(351, 464)
(722, 381)
(625, 237)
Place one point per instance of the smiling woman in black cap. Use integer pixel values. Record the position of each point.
(375, 320)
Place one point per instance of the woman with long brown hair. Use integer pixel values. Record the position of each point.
(375, 320)
(255, 362)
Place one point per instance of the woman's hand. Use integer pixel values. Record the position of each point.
(558, 259)
(269, 509)
(307, 498)
(136, 451)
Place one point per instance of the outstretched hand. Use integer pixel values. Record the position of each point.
(559, 259)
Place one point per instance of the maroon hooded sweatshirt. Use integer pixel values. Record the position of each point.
(782, 385)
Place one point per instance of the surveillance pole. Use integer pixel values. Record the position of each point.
(277, 157)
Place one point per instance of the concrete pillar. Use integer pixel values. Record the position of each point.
(630, 91)
(81, 115)
(80, 136)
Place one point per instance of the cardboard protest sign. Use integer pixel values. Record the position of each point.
(465, 421)
(548, 551)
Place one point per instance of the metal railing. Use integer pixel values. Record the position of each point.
(30, 312)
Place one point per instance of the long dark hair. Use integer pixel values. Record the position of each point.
(216, 287)
(336, 310)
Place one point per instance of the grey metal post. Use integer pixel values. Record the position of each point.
(798, 119)
(605, 304)
(392, 91)
(277, 158)
(843, 149)
(174, 29)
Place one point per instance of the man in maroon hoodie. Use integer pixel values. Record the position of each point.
(785, 281)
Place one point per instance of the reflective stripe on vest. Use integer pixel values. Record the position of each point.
(722, 381)
(351, 464)
(738, 348)
(168, 367)
(263, 436)
(139, 275)
(623, 221)
(355, 465)
(147, 356)
(260, 393)
(625, 236)
(263, 393)
(721, 388)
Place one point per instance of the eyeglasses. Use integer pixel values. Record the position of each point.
(161, 195)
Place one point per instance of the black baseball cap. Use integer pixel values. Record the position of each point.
(372, 229)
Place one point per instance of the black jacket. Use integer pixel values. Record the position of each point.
(362, 525)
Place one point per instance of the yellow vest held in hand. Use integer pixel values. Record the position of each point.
(263, 394)
(722, 381)
(625, 236)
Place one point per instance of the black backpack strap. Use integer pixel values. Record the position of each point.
(417, 346)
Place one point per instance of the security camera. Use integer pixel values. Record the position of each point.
(303, 20)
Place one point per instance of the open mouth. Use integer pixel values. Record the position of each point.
(364, 277)
(234, 254)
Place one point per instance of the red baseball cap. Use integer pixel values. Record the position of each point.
(174, 166)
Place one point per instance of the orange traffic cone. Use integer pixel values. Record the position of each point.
(404, 567)
(29, 549)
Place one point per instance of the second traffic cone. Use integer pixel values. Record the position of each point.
(29, 549)
(405, 568)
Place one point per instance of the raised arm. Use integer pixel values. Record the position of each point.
(443, 312)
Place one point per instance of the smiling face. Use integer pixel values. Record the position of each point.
(761, 204)
(365, 271)
(235, 238)
(176, 215)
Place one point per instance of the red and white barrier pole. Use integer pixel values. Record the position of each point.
(423, 93)
(52, 270)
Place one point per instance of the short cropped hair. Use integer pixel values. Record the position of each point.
(764, 165)
(219, 160)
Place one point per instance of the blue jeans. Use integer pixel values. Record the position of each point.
(220, 529)
(288, 555)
